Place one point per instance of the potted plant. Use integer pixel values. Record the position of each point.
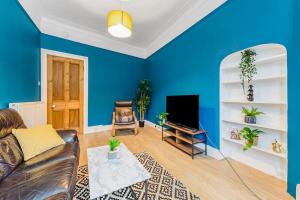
(247, 67)
(142, 99)
(113, 148)
(162, 118)
(250, 114)
(250, 136)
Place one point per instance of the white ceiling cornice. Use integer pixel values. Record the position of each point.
(62, 30)
(188, 19)
(78, 34)
(33, 12)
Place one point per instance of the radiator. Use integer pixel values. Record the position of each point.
(33, 113)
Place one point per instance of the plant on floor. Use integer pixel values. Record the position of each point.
(250, 136)
(247, 66)
(250, 114)
(114, 144)
(143, 99)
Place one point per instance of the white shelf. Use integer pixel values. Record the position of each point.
(257, 125)
(258, 79)
(254, 102)
(268, 151)
(270, 97)
(272, 58)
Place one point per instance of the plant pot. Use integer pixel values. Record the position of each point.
(255, 141)
(250, 119)
(113, 154)
(141, 123)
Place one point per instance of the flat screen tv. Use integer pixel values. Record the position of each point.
(184, 110)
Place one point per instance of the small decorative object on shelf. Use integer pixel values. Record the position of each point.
(250, 136)
(250, 114)
(113, 148)
(143, 99)
(235, 134)
(277, 147)
(247, 66)
(250, 96)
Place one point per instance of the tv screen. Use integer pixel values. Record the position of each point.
(184, 110)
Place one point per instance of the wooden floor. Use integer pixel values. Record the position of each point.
(210, 179)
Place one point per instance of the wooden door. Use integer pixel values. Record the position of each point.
(65, 93)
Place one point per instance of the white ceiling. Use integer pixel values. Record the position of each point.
(155, 22)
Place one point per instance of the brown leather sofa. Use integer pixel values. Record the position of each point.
(50, 175)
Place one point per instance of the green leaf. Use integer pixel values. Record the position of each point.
(142, 98)
(114, 143)
(251, 112)
(162, 117)
(248, 134)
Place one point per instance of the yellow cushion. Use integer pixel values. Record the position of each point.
(34, 141)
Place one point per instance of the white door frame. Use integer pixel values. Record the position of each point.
(44, 53)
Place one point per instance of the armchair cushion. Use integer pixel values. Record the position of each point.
(123, 112)
(124, 115)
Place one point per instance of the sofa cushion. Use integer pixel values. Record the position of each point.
(56, 180)
(10, 155)
(55, 155)
(9, 119)
(34, 141)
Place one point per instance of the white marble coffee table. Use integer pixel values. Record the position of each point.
(107, 176)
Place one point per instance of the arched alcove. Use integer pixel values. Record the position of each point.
(270, 97)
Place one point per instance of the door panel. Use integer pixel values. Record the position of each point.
(65, 93)
(74, 118)
(74, 81)
(58, 119)
(58, 80)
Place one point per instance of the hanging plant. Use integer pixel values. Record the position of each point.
(247, 67)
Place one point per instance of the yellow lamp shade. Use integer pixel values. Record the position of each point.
(119, 23)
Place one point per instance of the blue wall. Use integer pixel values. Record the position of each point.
(19, 55)
(293, 102)
(194, 59)
(112, 76)
(190, 64)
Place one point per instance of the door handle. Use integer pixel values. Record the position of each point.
(53, 106)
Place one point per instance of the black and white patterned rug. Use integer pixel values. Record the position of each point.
(162, 185)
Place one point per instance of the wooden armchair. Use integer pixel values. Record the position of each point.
(124, 117)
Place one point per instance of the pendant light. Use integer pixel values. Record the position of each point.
(119, 24)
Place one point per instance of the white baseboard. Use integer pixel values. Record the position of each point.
(211, 151)
(298, 192)
(153, 125)
(96, 129)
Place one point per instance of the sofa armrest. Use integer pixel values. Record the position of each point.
(69, 135)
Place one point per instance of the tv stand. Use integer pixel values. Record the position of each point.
(185, 139)
(183, 127)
